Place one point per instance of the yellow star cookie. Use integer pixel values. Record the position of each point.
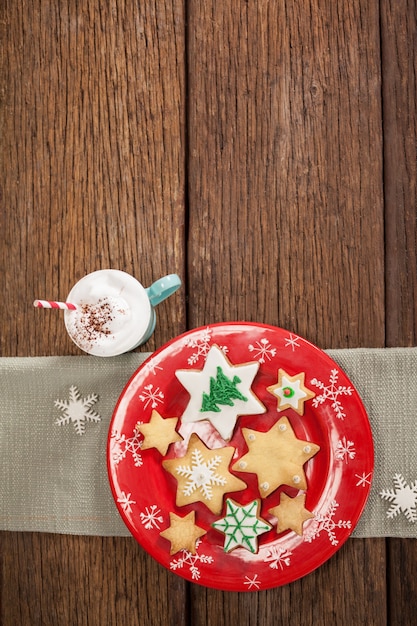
(291, 513)
(277, 457)
(159, 433)
(182, 533)
(203, 475)
(291, 391)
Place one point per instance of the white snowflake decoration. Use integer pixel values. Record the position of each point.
(403, 498)
(263, 350)
(77, 410)
(201, 343)
(150, 367)
(327, 524)
(125, 500)
(151, 396)
(364, 479)
(332, 392)
(278, 557)
(292, 342)
(252, 583)
(151, 517)
(120, 446)
(192, 561)
(345, 450)
(201, 475)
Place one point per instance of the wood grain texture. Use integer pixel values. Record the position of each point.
(92, 176)
(399, 53)
(93, 164)
(286, 223)
(286, 169)
(264, 151)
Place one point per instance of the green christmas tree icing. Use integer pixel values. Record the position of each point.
(223, 391)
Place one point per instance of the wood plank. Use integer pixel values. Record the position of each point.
(92, 176)
(399, 52)
(286, 223)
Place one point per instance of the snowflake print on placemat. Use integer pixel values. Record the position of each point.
(252, 583)
(345, 450)
(120, 445)
(151, 517)
(278, 557)
(151, 396)
(77, 410)
(292, 342)
(191, 561)
(403, 498)
(327, 524)
(125, 501)
(331, 392)
(262, 350)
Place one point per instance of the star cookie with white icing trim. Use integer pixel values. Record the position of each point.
(291, 391)
(203, 475)
(276, 456)
(220, 392)
(183, 533)
(241, 525)
(159, 432)
(291, 513)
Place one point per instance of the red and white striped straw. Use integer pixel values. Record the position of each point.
(52, 304)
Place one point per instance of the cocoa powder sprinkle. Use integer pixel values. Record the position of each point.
(93, 323)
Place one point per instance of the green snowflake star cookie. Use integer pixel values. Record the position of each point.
(241, 525)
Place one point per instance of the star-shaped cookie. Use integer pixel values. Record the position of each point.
(220, 392)
(291, 513)
(276, 456)
(159, 432)
(242, 525)
(291, 391)
(183, 532)
(203, 475)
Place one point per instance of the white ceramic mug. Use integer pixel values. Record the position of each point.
(115, 313)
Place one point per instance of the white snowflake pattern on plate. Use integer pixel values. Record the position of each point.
(150, 367)
(191, 561)
(120, 445)
(77, 410)
(364, 479)
(345, 450)
(332, 392)
(252, 583)
(151, 517)
(278, 557)
(201, 343)
(292, 342)
(151, 396)
(326, 523)
(262, 350)
(126, 502)
(403, 498)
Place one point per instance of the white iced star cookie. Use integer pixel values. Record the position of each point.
(220, 392)
(291, 392)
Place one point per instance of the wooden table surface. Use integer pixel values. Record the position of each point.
(265, 150)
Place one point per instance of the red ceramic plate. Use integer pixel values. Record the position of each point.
(330, 414)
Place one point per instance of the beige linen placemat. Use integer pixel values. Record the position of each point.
(54, 480)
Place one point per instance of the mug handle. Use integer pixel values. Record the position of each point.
(163, 288)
